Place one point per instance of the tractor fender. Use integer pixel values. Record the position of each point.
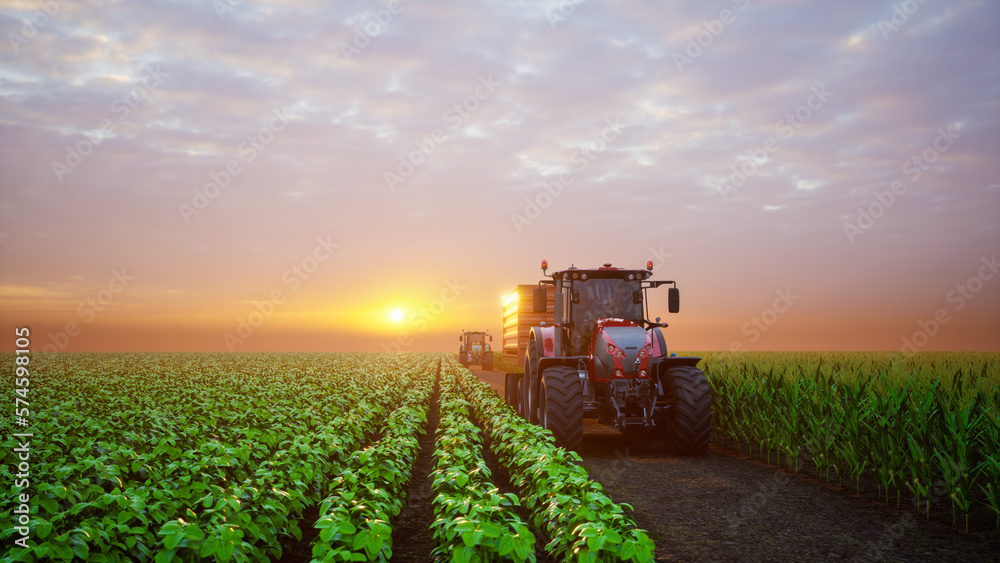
(545, 340)
(659, 343)
(666, 362)
(675, 361)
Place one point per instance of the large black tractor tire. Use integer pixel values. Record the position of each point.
(529, 387)
(692, 410)
(488, 361)
(463, 358)
(560, 406)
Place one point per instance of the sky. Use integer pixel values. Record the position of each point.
(248, 175)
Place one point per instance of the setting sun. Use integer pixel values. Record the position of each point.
(396, 315)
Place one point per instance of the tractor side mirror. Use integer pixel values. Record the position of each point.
(637, 297)
(460, 338)
(491, 337)
(673, 299)
(538, 299)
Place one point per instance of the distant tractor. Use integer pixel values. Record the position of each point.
(475, 349)
(600, 357)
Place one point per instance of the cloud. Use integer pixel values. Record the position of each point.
(686, 132)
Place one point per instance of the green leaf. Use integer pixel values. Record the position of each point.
(507, 545)
(193, 532)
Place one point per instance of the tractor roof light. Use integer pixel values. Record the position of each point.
(545, 265)
(649, 265)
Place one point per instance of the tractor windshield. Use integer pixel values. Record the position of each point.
(475, 339)
(601, 298)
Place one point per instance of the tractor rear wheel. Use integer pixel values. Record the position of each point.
(692, 409)
(561, 406)
(488, 361)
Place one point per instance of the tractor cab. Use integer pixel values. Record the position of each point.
(588, 298)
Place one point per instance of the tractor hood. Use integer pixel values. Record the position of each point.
(617, 345)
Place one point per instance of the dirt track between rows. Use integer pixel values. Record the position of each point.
(724, 506)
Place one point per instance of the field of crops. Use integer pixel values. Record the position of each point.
(923, 425)
(190, 457)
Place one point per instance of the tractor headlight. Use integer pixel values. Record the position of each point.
(646, 350)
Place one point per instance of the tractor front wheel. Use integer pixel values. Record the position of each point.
(692, 409)
(561, 406)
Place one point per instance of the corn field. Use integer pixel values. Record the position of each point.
(926, 425)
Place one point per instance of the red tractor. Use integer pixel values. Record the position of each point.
(602, 358)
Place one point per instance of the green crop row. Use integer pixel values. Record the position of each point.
(369, 491)
(473, 521)
(928, 425)
(584, 524)
(173, 457)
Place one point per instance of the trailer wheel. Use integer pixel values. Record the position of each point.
(512, 388)
(561, 406)
(692, 409)
(529, 394)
